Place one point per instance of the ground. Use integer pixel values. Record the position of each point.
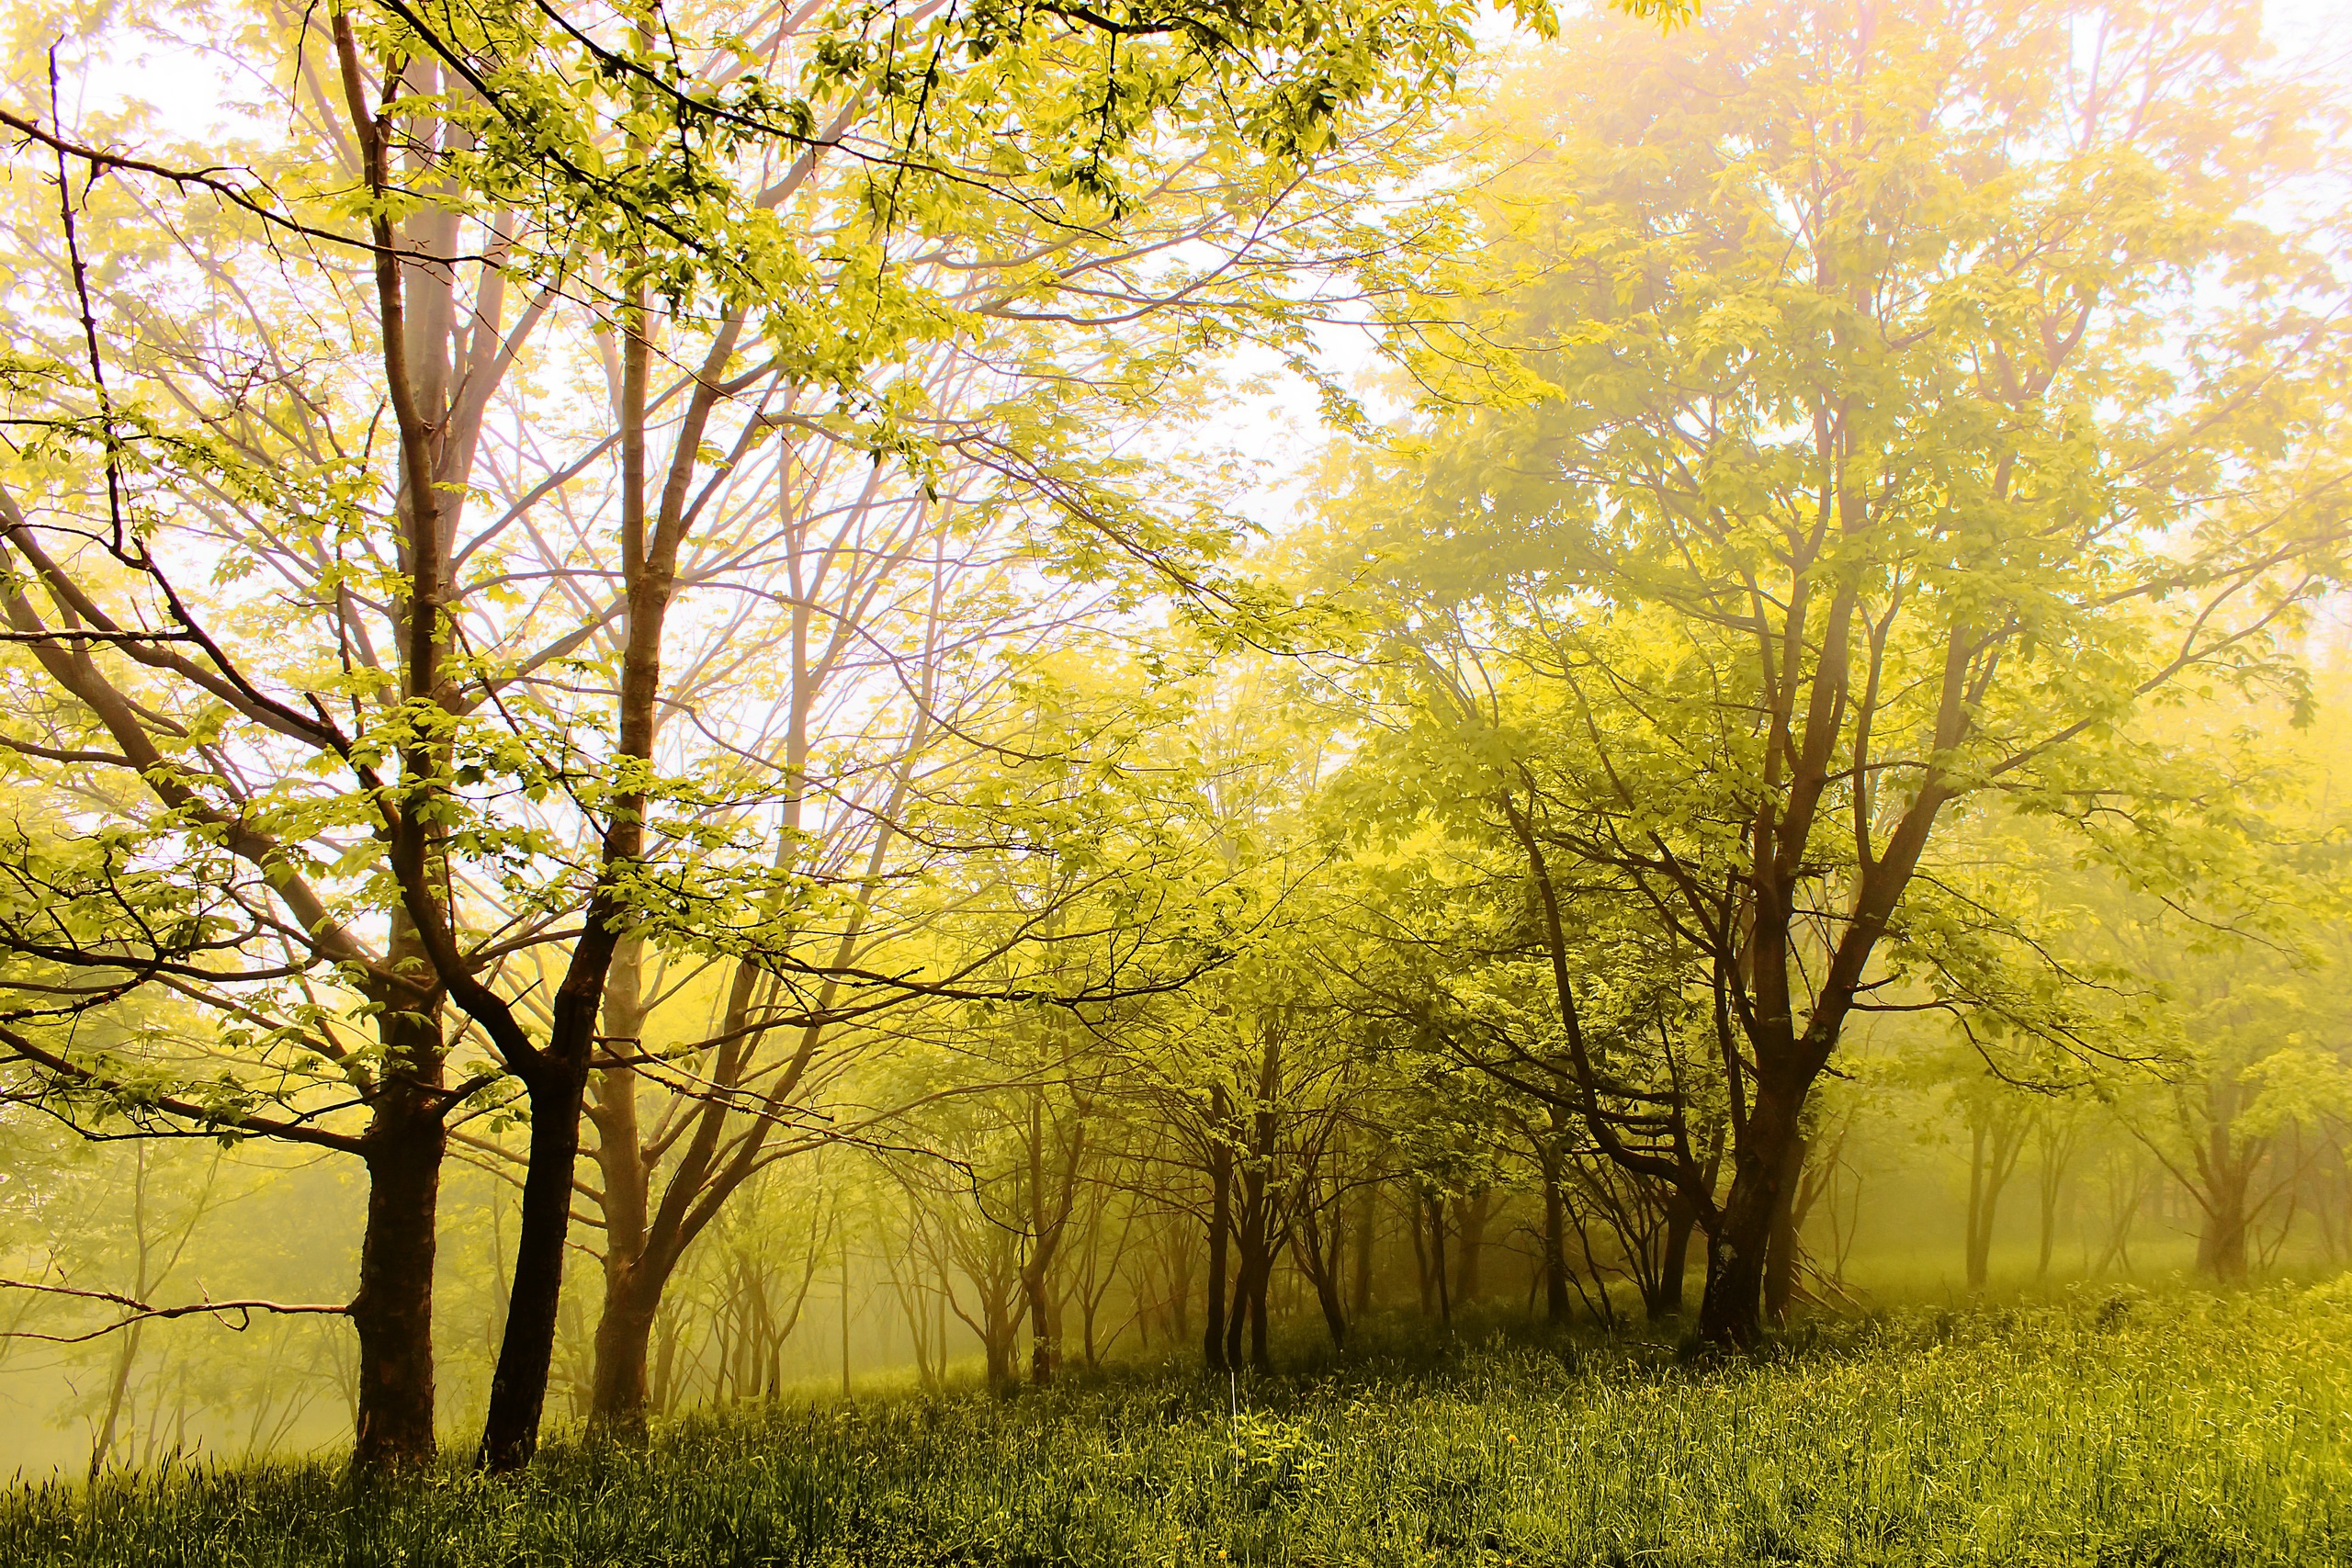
(2118, 1426)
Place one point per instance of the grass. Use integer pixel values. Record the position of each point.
(2115, 1428)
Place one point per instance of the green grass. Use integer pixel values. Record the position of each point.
(2116, 1428)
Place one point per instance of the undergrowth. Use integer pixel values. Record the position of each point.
(2118, 1428)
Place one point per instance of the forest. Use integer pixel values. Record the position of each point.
(1033, 781)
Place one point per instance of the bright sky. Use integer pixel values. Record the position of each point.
(1280, 429)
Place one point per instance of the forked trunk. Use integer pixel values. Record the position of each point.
(2221, 1239)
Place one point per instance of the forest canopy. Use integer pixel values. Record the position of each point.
(657, 662)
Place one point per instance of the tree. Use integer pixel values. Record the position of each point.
(443, 806)
(1901, 401)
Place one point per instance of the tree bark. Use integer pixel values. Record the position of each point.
(518, 1387)
(2057, 1149)
(1780, 1260)
(1557, 1308)
(1323, 1275)
(1255, 1245)
(1367, 1218)
(1437, 1262)
(1471, 1230)
(1731, 1312)
(393, 1310)
(2229, 1176)
(1681, 1219)
(1981, 1204)
(1220, 1230)
(618, 1393)
(1994, 1146)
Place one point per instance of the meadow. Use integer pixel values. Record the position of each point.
(2115, 1427)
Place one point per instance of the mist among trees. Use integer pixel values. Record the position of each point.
(709, 710)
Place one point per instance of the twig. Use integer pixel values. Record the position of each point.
(142, 1312)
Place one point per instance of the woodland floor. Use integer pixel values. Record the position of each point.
(2121, 1427)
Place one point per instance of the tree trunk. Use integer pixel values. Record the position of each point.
(1556, 1310)
(1731, 1312)
(1220, 1232)
(1248, 1315)
(1980, 1222)
(1260, 1354)
(1781, 1260)
(1324, 1278)
(1367, 1217)
(2049, 1237)
(617, 1391)
(1993, 1156)
(2057, 1147)
(1472, 1231)
(620, 1391)
(518, 1388)
(1251, 1282)
(1681, 1219)
(1437, 1263)
(1044, 1337)
(393, 1310)
(997, 1347)
(2221, 1239)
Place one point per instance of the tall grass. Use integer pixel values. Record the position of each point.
(2117, 1429)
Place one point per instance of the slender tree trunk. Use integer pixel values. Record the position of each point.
(1980, 1224)
(1367, 1218)
(518, 1388)
(1323, 1274)
(1220, 1230)
(1437, 1263)
(1044, 1347)
(618, 1385)
(1260, 1356)
(1992, 1156)
(665, 1364)
(1249, 1285)
(148, 1272)
(1557, 1307)
(2052, 1175)
(1472, 1231)
(102, 1445)
(1681, 1219)
(1180, 1286)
